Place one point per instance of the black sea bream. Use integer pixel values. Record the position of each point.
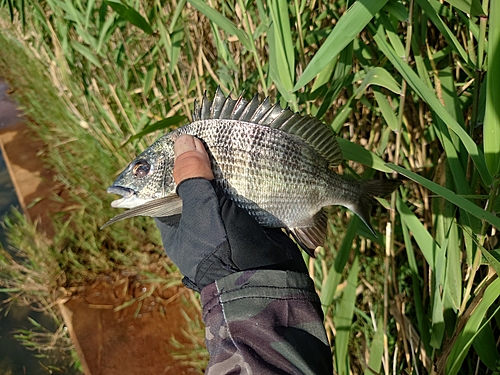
(272, 162)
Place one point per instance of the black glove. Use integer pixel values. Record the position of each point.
(214, 238)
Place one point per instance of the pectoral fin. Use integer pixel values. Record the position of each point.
(166, 206)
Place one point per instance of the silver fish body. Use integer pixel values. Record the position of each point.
(273, 163)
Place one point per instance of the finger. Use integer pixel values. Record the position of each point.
(191, 159)
(183, 144)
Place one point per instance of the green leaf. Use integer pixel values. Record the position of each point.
(342, 78)
(397, 9)
(472, 328)
(393, 35)
(491, 127)
(335, 272)
(430, 97)
(425, 242)
(472, 7)
(106, 31)
(486, 347)
(222, 22)
(453, 282)
(449, 196)
(86, 52)
(162, 124)
(379, 77)
(342, 116)
(90, 8)
(324, 76)
(277, 67)
(70, 12)
(148, 80)
(176, 39)
(493, 259)
(422, 319)
(131, 15)
(343, 319)
(357, 153)
(441, 25)
(281, 50)
(352, 22)
(437, 319)
(376, 350)
(387, 111)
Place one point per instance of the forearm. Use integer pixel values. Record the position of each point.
(267, 322)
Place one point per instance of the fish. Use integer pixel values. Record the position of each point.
(272, 162)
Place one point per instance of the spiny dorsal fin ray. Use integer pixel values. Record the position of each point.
(261, 111)
(218, 104)
(205, 107)
(228, 108)
(311, 130)
(250, 109)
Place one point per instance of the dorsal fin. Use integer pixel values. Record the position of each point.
(311, 130)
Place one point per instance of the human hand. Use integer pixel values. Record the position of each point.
(191, 159)
(215, 237)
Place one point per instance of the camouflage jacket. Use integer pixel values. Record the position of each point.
(265, 322)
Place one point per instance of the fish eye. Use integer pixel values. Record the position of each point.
(141, 168)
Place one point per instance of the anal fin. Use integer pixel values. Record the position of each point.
(312, 234)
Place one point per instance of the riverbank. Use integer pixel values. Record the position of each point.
(127, 316)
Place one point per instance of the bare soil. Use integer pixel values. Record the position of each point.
(133, 340)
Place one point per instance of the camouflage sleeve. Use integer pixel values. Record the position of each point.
(265, 322)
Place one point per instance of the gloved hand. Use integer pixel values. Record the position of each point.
(214, 237)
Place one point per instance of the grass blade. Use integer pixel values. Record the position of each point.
(425, 242)
(162, 124)
(492, 115)
(472, 7)
(335, 272)
(386, 109)
(86, 52)
(379, 77)
(131, 15)
(343, 319)
(349, 25)
(222, 22)
(445, 31)
(449, 196)
(376, 350)
(471, 329)
(486, 348)
(357, 153)
(426, 94)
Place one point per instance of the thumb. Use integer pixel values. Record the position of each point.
(191, 159)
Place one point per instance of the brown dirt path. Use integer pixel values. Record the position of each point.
(134, 340)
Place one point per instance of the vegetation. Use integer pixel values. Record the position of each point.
(409, 87)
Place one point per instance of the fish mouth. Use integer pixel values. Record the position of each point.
(129, 197)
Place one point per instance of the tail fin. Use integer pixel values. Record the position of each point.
(372, 189)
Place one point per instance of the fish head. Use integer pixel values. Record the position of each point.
(147, 177)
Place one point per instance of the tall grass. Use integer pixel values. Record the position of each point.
(410, 88)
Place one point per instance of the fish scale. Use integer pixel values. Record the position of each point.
(274, 163)
(265, 177)
(251, 179)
